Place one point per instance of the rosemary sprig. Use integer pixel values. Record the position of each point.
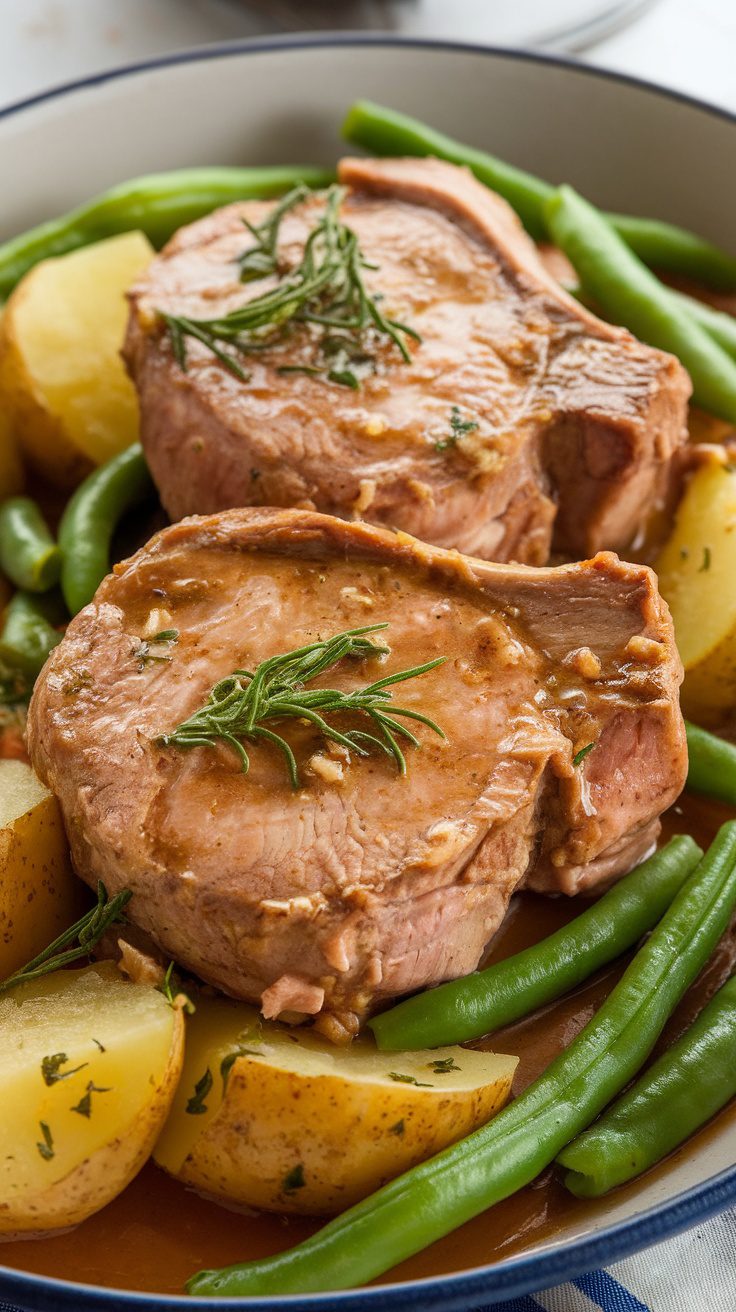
(239, 706)
(327, 289)
(262, 259)
(76, 942)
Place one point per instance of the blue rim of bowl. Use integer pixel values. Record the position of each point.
(511, 1277)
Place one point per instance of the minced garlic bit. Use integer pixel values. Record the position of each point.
(354, 594)
(644, 649)
(585, 663)
(159, 620)
(366, 495)
(326, 768)
(375, 425)
(422, 491)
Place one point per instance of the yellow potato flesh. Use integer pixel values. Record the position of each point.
(39, 893)
(298, 1125)
(62, 380)
(696, 570)
(117, 1041)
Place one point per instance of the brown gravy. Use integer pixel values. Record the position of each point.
(157, 1233)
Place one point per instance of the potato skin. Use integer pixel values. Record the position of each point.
(291, 1143)
(103, 1175)
(39, 893)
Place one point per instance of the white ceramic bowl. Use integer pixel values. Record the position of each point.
(624, 144)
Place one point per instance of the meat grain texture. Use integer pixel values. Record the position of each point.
(577, 424)
(362, 884)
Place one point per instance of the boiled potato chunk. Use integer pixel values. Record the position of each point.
(697, 578)
(88, 1067)
(279, 1119)
(39, 893)
(63, 385)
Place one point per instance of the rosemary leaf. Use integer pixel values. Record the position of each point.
(326, 289)
(238, 708)
(76, 942)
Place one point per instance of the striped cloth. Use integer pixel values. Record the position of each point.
(696, 1272)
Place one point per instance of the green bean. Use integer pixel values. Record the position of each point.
(711, 765)
(158, 204)
(30, 631)
(669, 248)
(718, 325)
(467, 1008)
(630, 295)
(28, 554)
(442, 1193)
(386, 132)
(721, 326)
(90, 519)
(689, 1083)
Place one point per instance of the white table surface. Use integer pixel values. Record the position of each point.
(688, 44)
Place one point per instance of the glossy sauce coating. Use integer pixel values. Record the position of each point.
(157, 1233)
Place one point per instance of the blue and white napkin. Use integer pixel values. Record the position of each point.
(696, 1272)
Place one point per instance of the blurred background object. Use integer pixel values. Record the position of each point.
(690, 46)
(51, 41)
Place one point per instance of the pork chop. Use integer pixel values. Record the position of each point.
(360, 884)
(522, 421)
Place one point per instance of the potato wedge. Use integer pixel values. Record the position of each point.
(696, 569)
(39, 893)
(89, 1064)
(279, 1119)
(62, 382)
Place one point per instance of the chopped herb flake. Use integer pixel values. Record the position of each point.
(196, 1106)
(99, 1045)
(706, 561)
(580, 756)
(229, 1061)
(84, 1106)
(444, 1065)
(46, 1148)
(408, 1079)
(293, 1180)
(459, 427)
(51, 1068)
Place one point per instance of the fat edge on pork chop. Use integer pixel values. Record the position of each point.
(520, 423)
(361, 884)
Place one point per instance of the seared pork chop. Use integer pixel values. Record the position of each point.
(361, 884)
(521, 420)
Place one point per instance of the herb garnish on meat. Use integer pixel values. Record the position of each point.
(327, 289)
(238, 706)
(459, 427)
(580, 756)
